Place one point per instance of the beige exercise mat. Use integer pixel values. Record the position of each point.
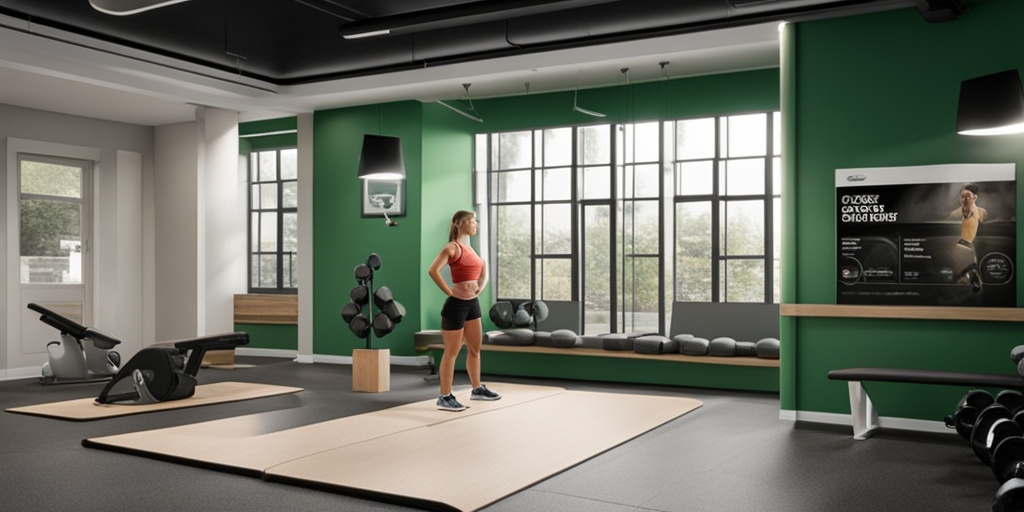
(243, 444)
(86, 409)
(473, 462)
(416, 454)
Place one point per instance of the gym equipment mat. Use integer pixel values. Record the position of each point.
(86, 409)
(415, 454)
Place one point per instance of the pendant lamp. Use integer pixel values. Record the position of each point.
(991, 105)
(381, 158)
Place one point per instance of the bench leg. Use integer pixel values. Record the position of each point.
(865, 418)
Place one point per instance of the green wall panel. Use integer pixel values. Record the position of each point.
(271, 336)
(342, 238)
(881, 90)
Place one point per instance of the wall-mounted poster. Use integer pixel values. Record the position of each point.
(937, 235)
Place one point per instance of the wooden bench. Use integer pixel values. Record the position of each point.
(623, 354)
(863, 413)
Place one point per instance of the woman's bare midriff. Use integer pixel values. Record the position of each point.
(466, 290)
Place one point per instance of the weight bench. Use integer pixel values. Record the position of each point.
(865, 417)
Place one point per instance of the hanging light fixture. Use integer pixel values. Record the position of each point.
(991, 105)
(381, 158)
(575, 94)
(469, 113)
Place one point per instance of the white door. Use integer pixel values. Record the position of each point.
(53, 245)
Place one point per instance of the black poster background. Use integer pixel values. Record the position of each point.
(898, 246)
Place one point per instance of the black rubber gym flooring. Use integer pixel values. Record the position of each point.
(732, 454)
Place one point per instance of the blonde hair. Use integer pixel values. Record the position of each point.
(457, 219)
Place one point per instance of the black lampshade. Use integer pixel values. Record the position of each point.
(991, 105)
(381, 158)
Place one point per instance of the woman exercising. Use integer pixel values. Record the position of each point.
(460, 315)
(970, 216)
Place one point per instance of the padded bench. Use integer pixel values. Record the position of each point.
(862, 411)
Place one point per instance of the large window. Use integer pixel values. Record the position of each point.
(626, 219)
(273, 214)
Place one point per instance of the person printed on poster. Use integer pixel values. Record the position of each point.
(970, 216)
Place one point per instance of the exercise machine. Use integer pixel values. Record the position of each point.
(165, 371)
(83, 354)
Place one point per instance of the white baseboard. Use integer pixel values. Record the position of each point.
(889, 422)
(32, 372)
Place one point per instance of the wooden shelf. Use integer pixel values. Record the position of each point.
(908, 312)
(622, 354)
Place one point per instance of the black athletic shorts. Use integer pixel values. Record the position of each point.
(456, 312)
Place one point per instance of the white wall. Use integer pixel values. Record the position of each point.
(118, 297)
(200, 220)
(177, 155)
(224, 201)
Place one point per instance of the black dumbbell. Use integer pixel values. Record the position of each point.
(967, 410)
(981, 433)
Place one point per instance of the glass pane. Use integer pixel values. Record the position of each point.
(513, 252)
(695, 138)
(742, 280)
(744, 228)
(511, 186)
(645, 181)
(290, 232)
(51, 179)
(289, 164)
(693, 252)
(777, 228)
(514, 150)
(293, 271)
(554, 279)
(254, 232)
(776, 133)
(595, 145)
(268, 271)
(254, 171)
(776, 293)
(743, 177)
(254, 271)
(776, 176)
(268, 166)
(480, 147)
(639, 296)
(596, 270)
(554, 184)
(554, 235)
(695, 178)
(597, 182)
(557, 147)
(646, 143)
(268, 196)
(290, 194)
(747, 135)
(51, 242)
(268, 232)
(640, 227)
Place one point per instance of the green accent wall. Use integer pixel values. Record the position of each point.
(342, 238)
(271, 336)
(880, 90)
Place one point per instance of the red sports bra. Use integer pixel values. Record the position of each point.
(467, 266)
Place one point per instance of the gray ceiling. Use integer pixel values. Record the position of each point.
(290, 55)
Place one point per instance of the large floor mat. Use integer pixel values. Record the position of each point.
(415, 454)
